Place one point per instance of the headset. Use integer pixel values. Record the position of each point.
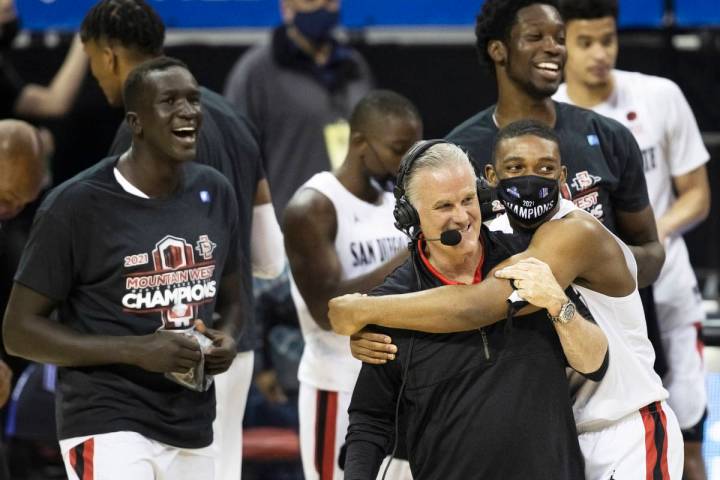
(406, 216)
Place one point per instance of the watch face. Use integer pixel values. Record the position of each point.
(567, 312)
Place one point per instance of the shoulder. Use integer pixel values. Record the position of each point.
(75, 191)
(200, 175)
(576, 227)
(308, 203)
(578, 119)
(401, 280)
(256, 57)
(480, 122)
(646, 85)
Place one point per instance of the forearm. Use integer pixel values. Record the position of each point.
(649, 258)
(456, 308)
(362, 460)
(689, 210)
(583, 343)
(266, 243)
(56, 99)
(46, 341)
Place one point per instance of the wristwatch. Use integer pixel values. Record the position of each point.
(567, 312)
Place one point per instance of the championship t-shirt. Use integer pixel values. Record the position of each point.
(121, 265)
(227, 143)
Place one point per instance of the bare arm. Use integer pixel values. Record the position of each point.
(638, 230)
(562, 244)
(56, 99)
(310, 229)
(28, 332)
(691, 207)
(583, 342)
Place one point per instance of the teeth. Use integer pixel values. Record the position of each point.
(184, 129)
(549, 66)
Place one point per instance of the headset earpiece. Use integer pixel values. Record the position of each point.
(406, 217)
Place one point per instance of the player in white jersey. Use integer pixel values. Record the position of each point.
(340, 238)
(625, 428)
(656, 112)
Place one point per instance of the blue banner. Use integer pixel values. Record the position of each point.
(67, 14)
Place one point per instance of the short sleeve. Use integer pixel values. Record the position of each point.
(631, 194)
(686, 150)
(46, 265)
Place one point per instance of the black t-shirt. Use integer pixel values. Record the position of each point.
(124, 265)
(603, 160)
(227, 143)
(492, 403)
(10, 87)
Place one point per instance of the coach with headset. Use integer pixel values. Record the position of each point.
(489, 403)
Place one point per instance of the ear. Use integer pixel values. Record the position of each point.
(133, 122)
(563, 174)
(109, 58)
(491, 175)
(498, 52)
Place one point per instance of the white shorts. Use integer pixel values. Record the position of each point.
(685, 379)
(646, 444)
(231, 391)
(129, 455)
(323, 425)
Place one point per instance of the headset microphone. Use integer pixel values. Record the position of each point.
(449, 238)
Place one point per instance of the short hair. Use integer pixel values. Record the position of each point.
(521, 128)
(495, 21)
(436, 157)
(134, 86)
(588, 9)
(131, 23)
(381, 103)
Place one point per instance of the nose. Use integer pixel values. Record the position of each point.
(189, 109)
(552, 46)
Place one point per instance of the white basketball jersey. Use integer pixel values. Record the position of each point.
(654, 109)
(630, 382)
(365, 239)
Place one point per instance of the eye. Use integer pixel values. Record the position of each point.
(169, 100)
(468, 200)
(533, 37)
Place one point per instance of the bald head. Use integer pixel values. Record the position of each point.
(21, 166)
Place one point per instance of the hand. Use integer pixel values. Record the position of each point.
(165, 351)
(344, 313)
(373, 348)
(221, 355)
(5, 383)
(268, 384)
(535, 283)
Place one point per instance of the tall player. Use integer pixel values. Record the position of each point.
(674, 159)
(340, 238)
(118, 35)
(126, 251)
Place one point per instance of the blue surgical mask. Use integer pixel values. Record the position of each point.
(317, 24)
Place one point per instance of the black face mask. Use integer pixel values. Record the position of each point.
(529, 199)
(317, 24)
(8, 32)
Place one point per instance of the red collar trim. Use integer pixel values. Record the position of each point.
(446, 281)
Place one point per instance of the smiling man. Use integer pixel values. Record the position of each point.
(659, 116)
(118, 35)
(130, 253)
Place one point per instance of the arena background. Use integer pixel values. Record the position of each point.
(423, 49)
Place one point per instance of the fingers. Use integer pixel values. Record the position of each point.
(200, 326)
(371, 336)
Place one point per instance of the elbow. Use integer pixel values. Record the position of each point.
(11, 340)
(271, 269)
